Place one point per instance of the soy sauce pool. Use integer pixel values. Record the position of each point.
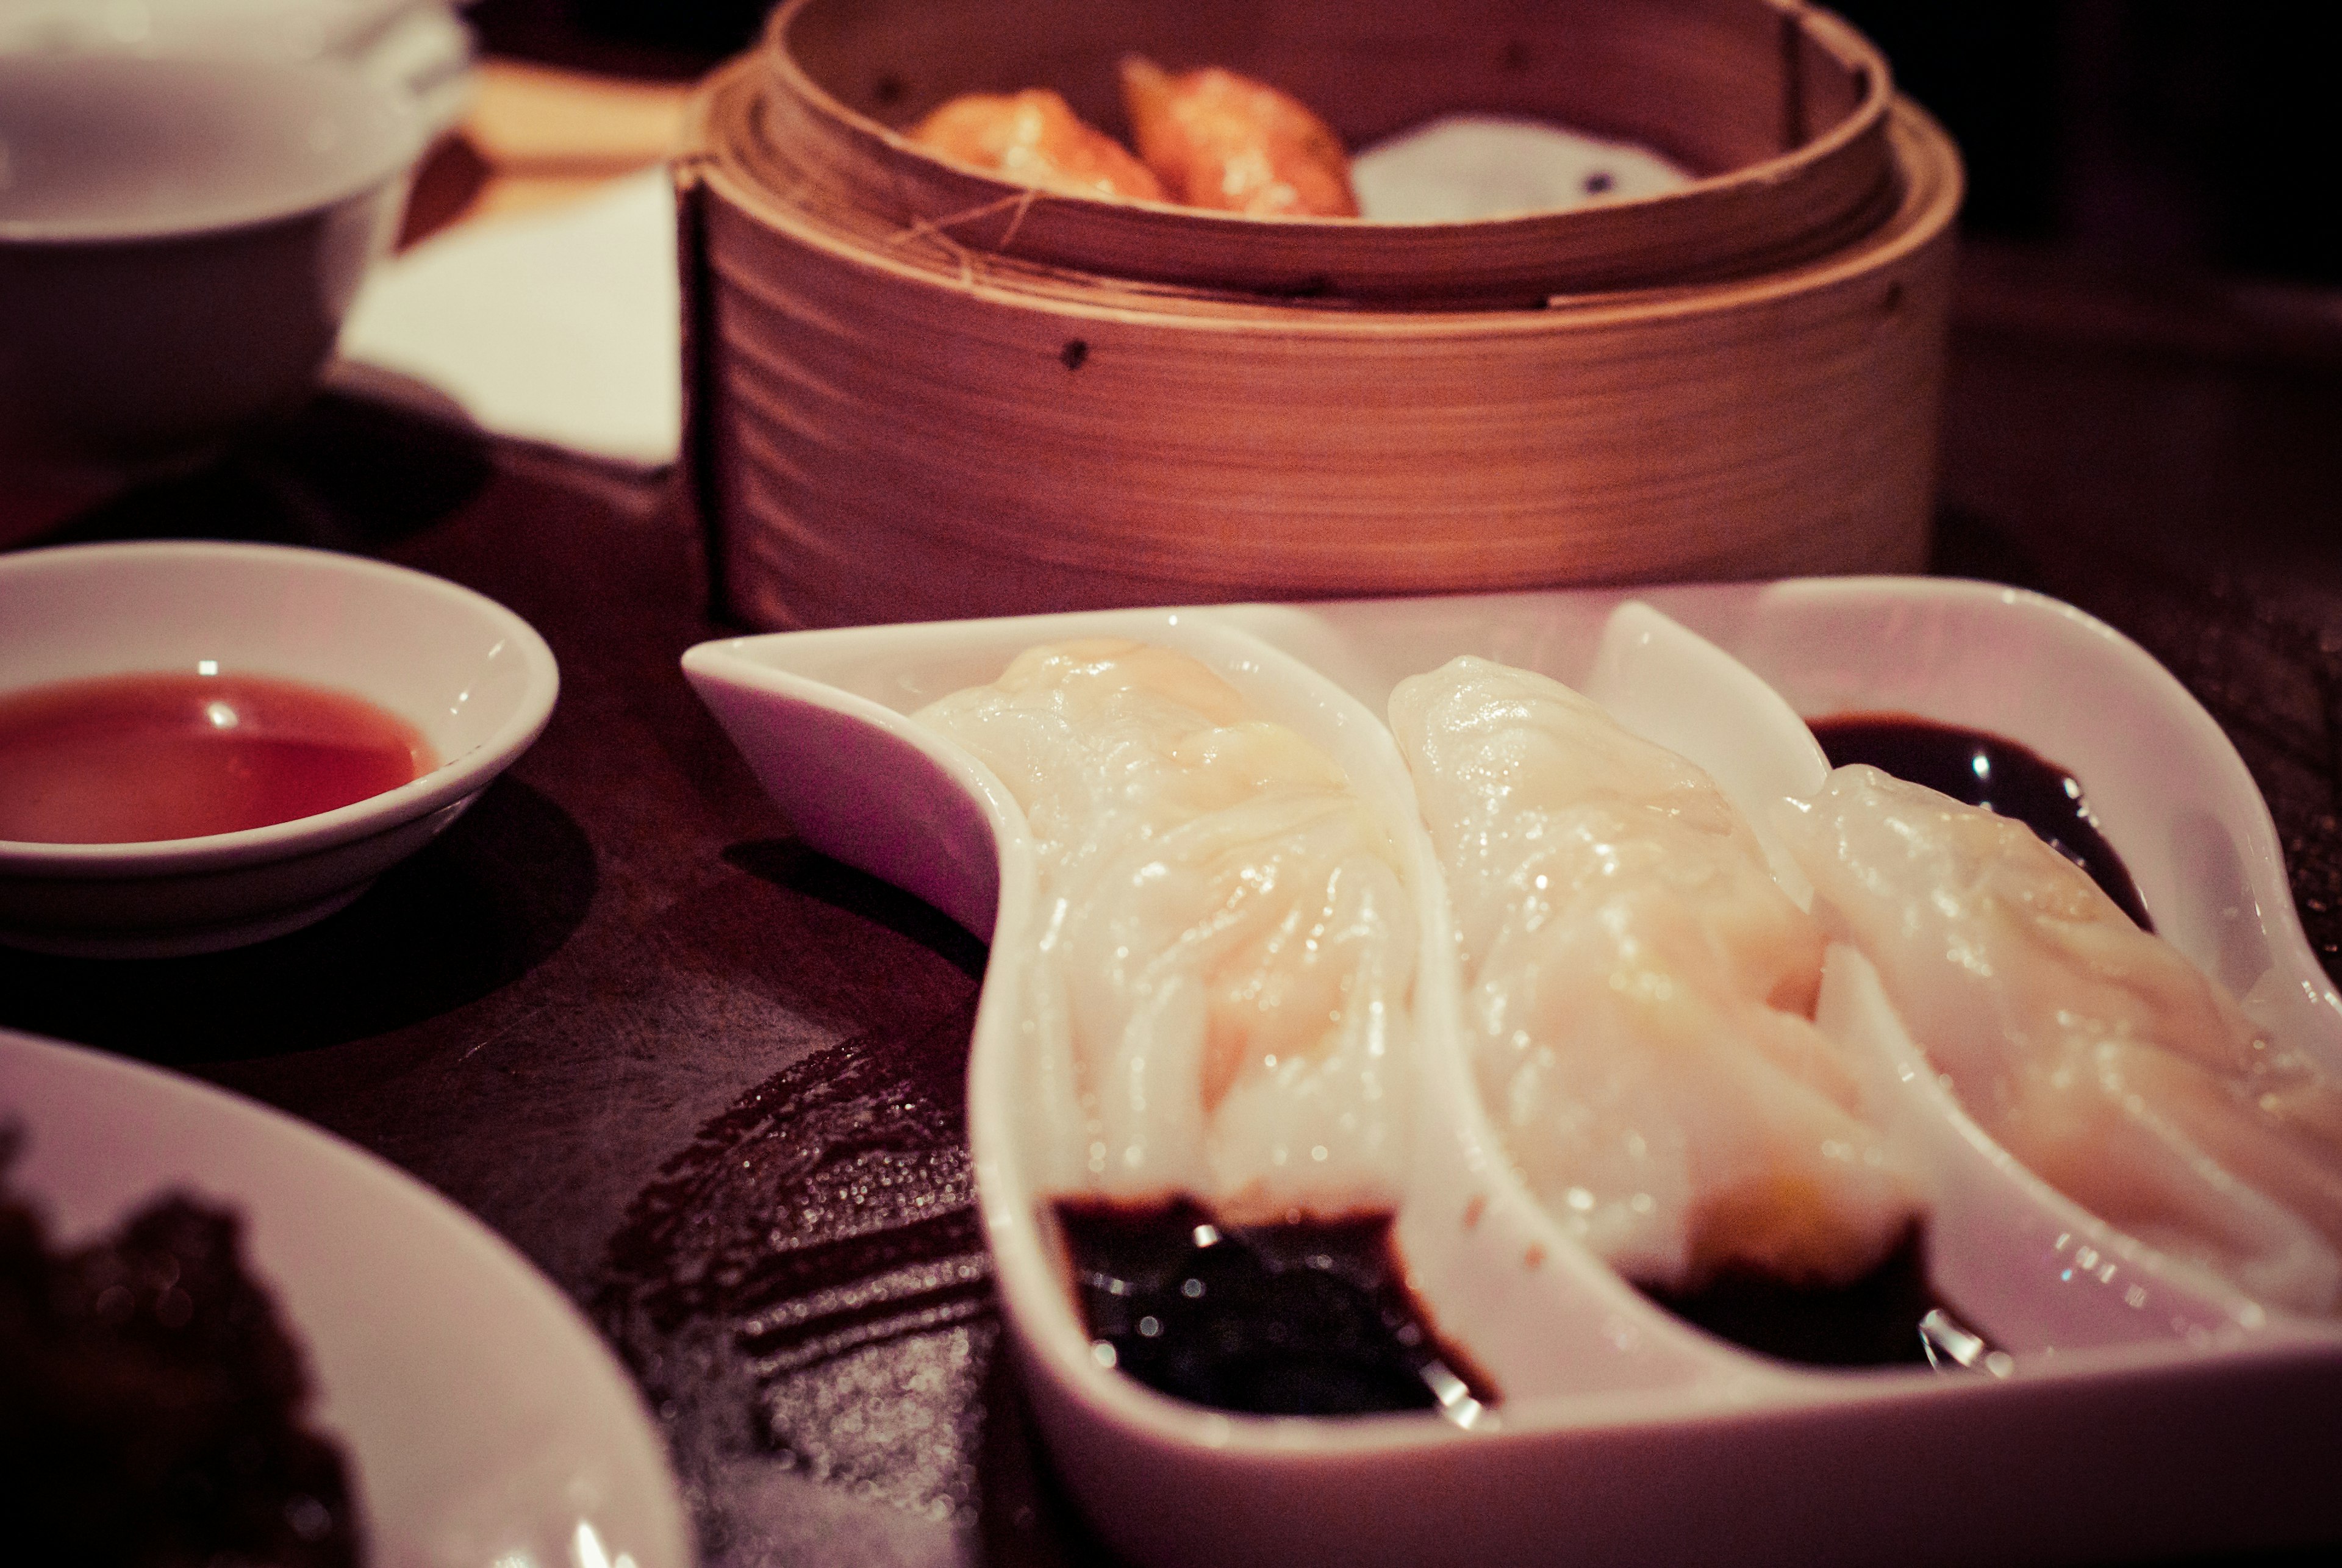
(1306, 1318)
(1874, 1320)
(1979, 768)
(133, 759)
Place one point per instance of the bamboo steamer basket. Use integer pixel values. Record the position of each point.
(1783, 109)
(902, 408)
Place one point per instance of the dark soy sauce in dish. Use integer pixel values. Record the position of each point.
(1987, 770)
(133, 759)
(1305, 1318)
(1880, 1319)
(1874, 1320)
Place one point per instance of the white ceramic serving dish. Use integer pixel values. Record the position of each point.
(474, 677)
(488, 1424)
(2137, 1407)
(180, 236)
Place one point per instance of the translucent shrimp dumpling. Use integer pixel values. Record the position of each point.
(1638, 993)
(1218, 1006)
(2092, 1050)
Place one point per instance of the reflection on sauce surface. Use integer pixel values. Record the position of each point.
(1980, 768)
(130, 759)
(1301, 1319)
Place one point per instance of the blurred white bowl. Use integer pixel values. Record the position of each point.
(474, 677)
(417, 46)
(179, 239)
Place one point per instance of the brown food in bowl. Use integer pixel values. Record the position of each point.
(1036, 138)
(153, 1402)
(1217, 139)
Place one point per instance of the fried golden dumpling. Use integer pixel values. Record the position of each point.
(1034, 138)
(1217, 139)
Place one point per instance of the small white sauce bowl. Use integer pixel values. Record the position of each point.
(180, 237)
(474, 678)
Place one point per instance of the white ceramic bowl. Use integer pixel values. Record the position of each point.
(180, 237)
(417, 46)
(474, 677)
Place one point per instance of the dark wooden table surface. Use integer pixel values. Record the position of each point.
(619, 1015)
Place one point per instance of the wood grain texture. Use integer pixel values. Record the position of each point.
(894, 425)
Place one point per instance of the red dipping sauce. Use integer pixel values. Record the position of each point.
(130, 759)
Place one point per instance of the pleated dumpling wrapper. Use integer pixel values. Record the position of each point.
(1637, 995)
(1218, 1005)
(1034, 138)
(2093, 1051)
(1219, 140)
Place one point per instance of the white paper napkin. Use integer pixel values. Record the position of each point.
(561, 327)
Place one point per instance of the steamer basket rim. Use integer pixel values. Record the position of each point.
(1826, 28)
(1927, 164)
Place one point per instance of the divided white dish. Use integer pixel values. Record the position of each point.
(2140, 1410)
